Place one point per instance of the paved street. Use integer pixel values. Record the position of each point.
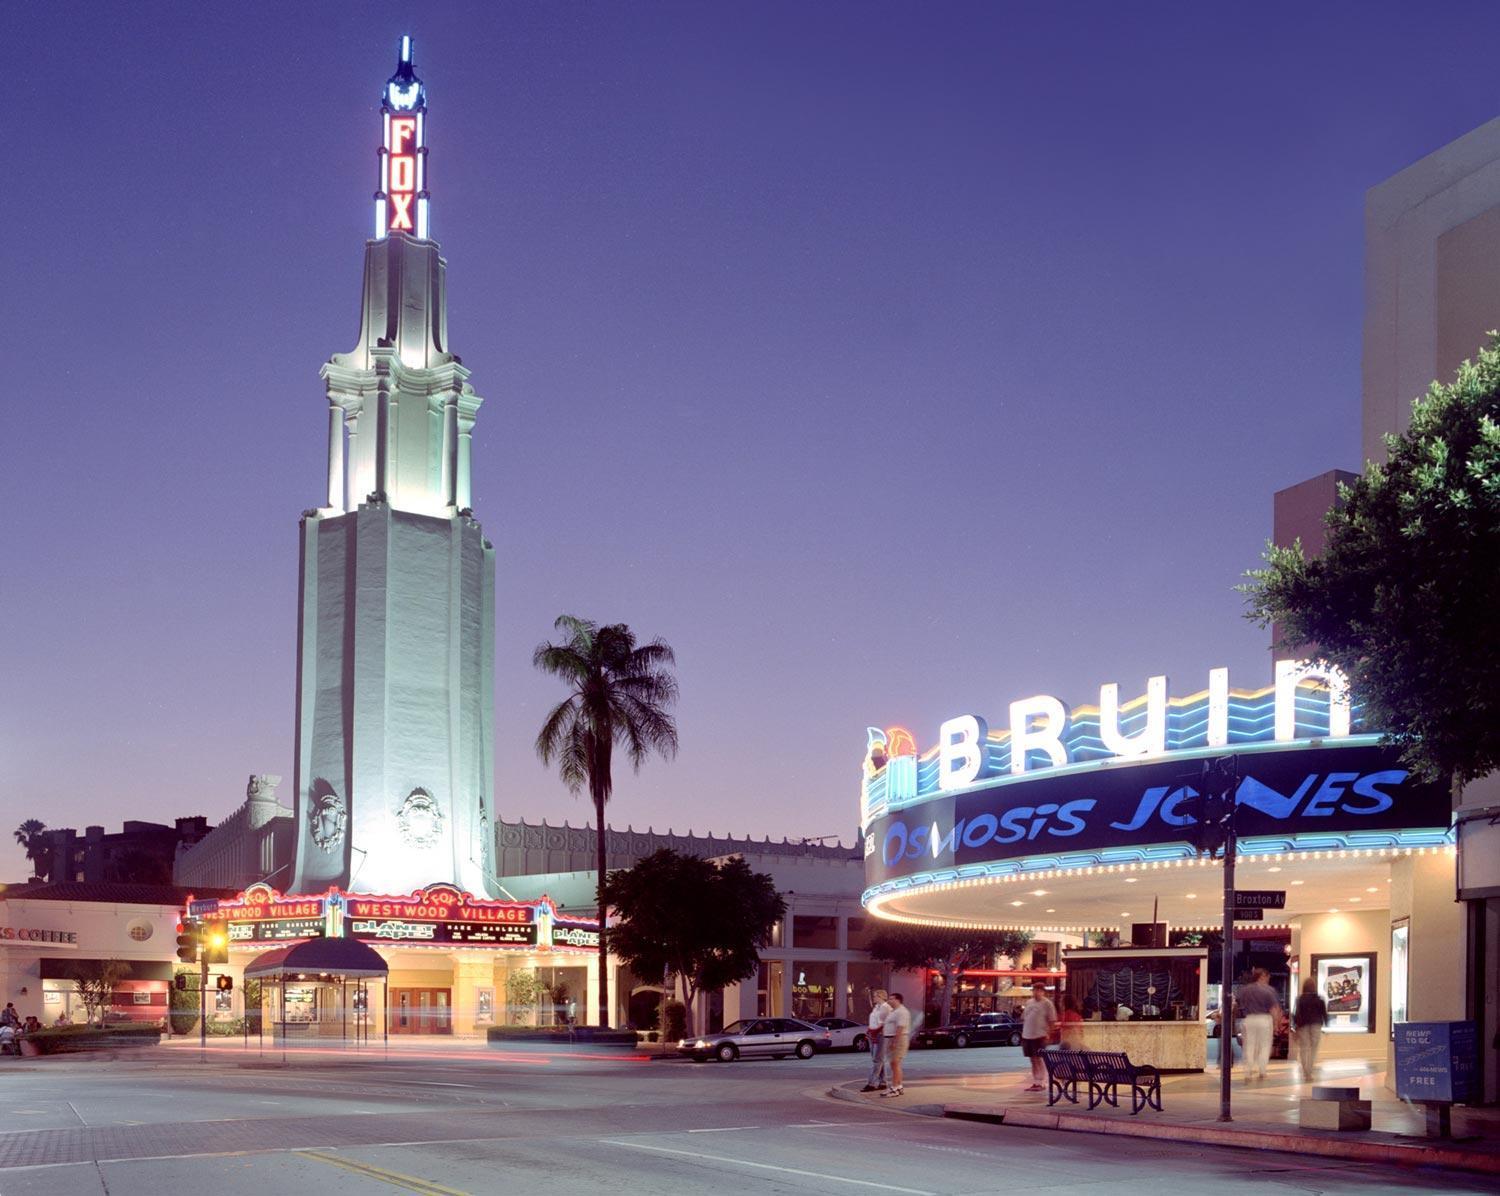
(476, 1121)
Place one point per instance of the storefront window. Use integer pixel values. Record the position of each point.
(813, 990)
(860, 932)
(821, 934)
(768, 990)
(862, 981)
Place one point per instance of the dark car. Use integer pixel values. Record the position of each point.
(988, 1029)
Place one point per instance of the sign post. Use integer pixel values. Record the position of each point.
(1216, 833)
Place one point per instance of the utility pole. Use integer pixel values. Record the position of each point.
(1216, 835)
(202, 993)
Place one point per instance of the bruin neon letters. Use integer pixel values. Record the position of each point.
(1042, 731)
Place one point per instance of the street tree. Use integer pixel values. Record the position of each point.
(948, 951)
(620, 692)
(703, 922)
(95, 984)
(1403, 598)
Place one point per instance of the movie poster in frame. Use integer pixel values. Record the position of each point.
(1347, 983)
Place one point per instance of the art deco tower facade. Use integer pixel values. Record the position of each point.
(395, 629)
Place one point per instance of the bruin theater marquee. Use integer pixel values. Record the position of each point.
(1060, 788)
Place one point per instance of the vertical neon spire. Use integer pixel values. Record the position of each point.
(402, 202)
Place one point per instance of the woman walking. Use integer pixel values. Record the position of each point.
(1309, 1018)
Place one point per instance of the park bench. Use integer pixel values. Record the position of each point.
(1103, 1072)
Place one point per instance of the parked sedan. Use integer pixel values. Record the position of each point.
(988, 1029)
(777, 1037)
(847, 1035)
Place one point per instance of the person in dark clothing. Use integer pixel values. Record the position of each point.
(1309, 1017)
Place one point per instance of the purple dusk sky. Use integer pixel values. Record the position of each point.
(891, 361)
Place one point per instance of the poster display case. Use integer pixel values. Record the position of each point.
(1347, 984)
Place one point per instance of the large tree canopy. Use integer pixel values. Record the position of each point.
(1404, 598)
(703, 922)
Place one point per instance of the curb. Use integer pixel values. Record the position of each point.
(1415, 1155)
(852, 1096)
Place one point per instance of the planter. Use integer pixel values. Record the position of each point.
(68, 1039)
(29, 1049)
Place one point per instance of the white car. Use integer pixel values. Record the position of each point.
(846, 1035)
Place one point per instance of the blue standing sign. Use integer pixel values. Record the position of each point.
(1436, 1061)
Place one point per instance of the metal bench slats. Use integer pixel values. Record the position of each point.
(1103, 1072)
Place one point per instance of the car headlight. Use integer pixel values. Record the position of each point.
(703, 1042)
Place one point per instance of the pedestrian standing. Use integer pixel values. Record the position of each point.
(897, 1034)
(878, 1013)
(1038, 1016)
(1260, 1009)
(9, 1016)
(1309, 1018)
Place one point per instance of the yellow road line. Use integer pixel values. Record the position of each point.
(394, 1178)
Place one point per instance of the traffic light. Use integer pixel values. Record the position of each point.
(224, 983)
(215, 944)
(180, 982)
(187, 943)
(1213, 807)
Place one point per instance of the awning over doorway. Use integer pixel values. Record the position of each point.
(347, 958)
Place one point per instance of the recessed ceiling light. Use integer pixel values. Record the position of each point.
(1043, 892)
(1275, 869)
(1298, 882)
(1192, 896)
(1052, 911)
(1356, 899)
(1372, 889)
(1125, 914)
(1333, 911)
(1018, 903)
(1130, 880)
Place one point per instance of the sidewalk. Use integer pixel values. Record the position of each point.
(1265, 1114)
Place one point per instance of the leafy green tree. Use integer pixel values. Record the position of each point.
(949, 951)
(620, 692)
(703, 922)
(32, 836)
(1403, 599)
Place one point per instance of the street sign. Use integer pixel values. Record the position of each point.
(1260, 898)
(208, 905)
(1249, 915)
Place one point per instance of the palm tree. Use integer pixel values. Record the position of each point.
(620, 692)
(30, 836)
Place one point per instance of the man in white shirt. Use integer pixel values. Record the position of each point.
(878, 1013)
(897, 1034)
(1038, 1016)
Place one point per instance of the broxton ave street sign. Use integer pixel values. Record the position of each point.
(1260, 898)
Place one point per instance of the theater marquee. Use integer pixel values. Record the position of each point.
(1059, 787)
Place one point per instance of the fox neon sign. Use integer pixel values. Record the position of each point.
(401, 202)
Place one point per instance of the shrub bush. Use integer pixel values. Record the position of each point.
(676, 1019)
(55, 1040)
